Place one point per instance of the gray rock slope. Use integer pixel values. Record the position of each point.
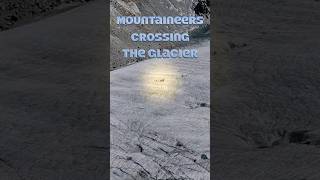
(17, 12)
(120, 35)
(266, 98)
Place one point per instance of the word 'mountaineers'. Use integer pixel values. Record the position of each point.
(179, 20)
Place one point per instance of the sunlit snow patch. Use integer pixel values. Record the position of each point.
(160, 82)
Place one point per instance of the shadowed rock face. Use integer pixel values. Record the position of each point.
(120, 35)
(202, 8)
(14, 11)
